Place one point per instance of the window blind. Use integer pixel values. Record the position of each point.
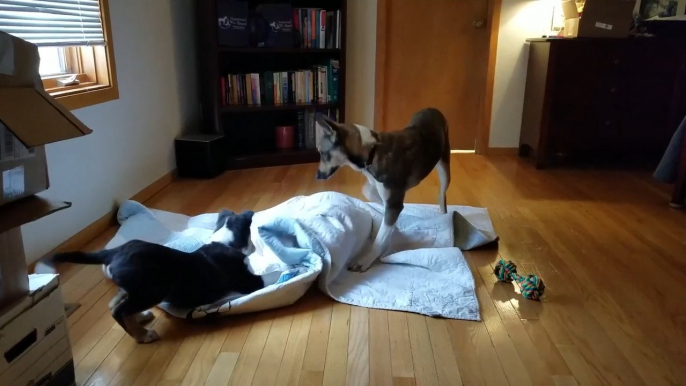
(55, 23)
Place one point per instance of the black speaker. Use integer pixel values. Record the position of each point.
(200, 155)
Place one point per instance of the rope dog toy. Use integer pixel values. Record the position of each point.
(531, 286)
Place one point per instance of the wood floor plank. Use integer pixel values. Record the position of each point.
(206, 357)
(401, 348)
(294, 353)
(357, 373)
(177, 367)
(100, 351)
(273, 352)
(446, 366)
(88, 301)
(163, 354)
(240, 329)
(380, 369)
(422, 352)
(244, 372)
(318, 339)
(337, 349)
(223, 367)
(511, 363)
(501, 293)
(142, 355)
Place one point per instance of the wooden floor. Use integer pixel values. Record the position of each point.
(611, 251)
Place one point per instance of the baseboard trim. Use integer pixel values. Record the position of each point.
(99, 226)
(503, 151)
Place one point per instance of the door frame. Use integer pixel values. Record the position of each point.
(493, 22)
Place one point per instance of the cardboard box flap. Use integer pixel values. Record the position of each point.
(26, 210)
(30, 113)
(34, 118)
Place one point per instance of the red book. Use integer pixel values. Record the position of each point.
(322, 29)
(296, 20)
(313, 27)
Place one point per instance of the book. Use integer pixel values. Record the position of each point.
(313, 28)
(223, 85)
(284, 87)
(278, 18)
(322, 79)
(328, 35)
(300, 130)
(269, 88)
(291, 86)
(322, 28)
(241, 88)
(306, 29)
(232, 18)
(317, 23)
(338, 29)
(277, 88)
(334, 69)
(296, 26)
(255, 88)
(311, 136)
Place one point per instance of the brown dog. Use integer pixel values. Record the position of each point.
(393, 163)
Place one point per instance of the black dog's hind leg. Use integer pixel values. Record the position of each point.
(128, 311)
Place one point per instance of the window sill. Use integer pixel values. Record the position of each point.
(85, 95)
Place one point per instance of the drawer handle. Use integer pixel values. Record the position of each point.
(613, 90)
(608, 122)
(616, 61)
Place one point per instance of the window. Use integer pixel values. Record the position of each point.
(75, 46)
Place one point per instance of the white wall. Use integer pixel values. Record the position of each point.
(132, 141)
(519, 20)
(361, 60)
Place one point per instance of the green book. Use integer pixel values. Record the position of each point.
(332, 74)
(269, 88)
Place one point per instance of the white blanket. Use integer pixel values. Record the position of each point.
(310, 237)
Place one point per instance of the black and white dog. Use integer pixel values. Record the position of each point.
(393, 163)
(148, 274)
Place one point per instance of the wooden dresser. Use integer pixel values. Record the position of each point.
(618, 98)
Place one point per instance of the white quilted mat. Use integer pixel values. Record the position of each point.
(315, 237)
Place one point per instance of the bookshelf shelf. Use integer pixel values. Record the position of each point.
(249, 130)
(269, 158)
(256, 50)
(284, 107)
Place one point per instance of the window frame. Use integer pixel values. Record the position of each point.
(95, 70)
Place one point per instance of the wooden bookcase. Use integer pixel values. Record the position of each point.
(249, 131)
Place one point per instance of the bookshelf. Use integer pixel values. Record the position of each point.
(248, 127)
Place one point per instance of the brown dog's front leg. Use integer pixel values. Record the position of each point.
(382, 242)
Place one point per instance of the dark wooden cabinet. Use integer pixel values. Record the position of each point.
(602, 98)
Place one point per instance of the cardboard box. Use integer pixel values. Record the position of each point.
(606, 19)
(29, 119)
(35, 347)
(14, 281)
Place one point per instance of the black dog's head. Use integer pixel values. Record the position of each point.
(233, 230)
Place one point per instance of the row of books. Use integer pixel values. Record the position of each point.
(316, 85)
(305, 136)
(317, 28)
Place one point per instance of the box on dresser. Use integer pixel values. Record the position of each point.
(620, 99)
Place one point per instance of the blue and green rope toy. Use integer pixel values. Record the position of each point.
(532, 286)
